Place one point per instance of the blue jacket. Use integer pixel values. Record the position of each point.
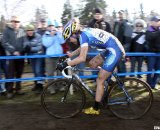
(35, 43)
(53, 43)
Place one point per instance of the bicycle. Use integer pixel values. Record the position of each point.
(130, 98)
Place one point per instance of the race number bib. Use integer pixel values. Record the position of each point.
(100, 35)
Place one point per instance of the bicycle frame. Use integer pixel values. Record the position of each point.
(85, 86)
(125, 100)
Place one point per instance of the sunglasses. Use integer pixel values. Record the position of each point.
(15, 21)
(139, 26)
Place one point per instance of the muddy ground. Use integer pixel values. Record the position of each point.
(18, 115)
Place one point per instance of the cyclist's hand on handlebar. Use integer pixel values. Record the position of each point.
(61, 66)
(69, 54)
(63, 58)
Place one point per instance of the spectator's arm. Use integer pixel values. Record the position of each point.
(5, 43)
(38, 46)
(47, 41)
(60, 38)
(127, 36)
(91, 24)
(108, 27)
(152, 35)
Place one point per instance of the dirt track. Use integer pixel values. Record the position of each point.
(33, 117)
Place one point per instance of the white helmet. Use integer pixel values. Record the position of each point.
(71, 27)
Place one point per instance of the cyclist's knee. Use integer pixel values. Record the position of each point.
(100, 80)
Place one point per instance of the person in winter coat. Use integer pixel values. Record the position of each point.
(33, 46)
(123, 31)
(99, 21)
(153, 40)
(138, 44)
(52, 40)
(12, 42)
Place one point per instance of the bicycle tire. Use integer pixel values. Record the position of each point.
(73, 104)
(141, 94)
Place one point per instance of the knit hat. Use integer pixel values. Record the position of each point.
(121, 12)
(42, 20)
(29, 27)
(50, 23)
(98, 10)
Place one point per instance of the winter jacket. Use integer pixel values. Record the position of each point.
(53, 43)
(35, 44)
(100, 24)
(138, 42)
(41, 31)
(13, 40)
(153, 39)
(123, 31)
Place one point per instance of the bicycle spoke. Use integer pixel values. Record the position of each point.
(132, 107)
(63, 104)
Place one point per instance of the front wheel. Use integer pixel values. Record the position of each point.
(68, 100)
(136, 104)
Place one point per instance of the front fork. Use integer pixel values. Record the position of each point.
(63, 99)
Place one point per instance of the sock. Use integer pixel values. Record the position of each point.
(96, 105)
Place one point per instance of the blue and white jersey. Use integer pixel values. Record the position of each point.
(99, 38)
(104, 40)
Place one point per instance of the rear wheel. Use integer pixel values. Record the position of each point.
(67, 102)
(139, 101)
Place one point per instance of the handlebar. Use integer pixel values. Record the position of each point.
(73, 69)
(64, 74)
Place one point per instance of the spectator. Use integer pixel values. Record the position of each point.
(99, 22)
(3, 65)
(41, 30)
(138, 44)
(52, 40)
(123, 31)
(153, 40)
(43, 27)
(33, 46)
(13, 38)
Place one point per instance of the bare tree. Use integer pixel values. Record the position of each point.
(11, 7)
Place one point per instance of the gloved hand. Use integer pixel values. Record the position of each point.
(63, 58)
(27, 49)
(61, 66)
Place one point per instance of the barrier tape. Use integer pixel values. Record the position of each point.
(58, 55)
(83, 77)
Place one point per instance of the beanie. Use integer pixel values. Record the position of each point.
(98, 10)
(29, 27)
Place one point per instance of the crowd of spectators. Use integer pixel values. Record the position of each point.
(47, 39)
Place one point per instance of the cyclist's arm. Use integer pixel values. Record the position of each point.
(81, 58)
(74, 53)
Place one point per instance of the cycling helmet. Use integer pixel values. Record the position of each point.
(71, 27)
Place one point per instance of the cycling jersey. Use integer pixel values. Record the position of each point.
(104, 40)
